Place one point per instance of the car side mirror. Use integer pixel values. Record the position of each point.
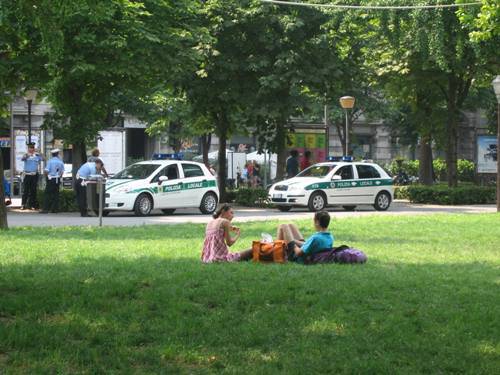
(162, 179)
(337, 177)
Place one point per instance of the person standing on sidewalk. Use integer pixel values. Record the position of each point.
(32, 162)
(53, 172)
(86, 170)
(6, 191)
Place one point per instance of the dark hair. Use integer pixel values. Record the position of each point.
(294, 153)
(307, 154)
(224, 207)
(323, 218)
(97, 160)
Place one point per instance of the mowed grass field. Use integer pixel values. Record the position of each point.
(138, 300)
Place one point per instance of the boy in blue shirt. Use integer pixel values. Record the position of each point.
(321, 240)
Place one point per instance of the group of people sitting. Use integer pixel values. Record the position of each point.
(221, 234)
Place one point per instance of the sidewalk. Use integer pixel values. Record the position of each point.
(17, 218)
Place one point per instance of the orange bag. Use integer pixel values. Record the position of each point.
(269, 252)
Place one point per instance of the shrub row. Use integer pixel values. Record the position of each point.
(440, 194)
(466, 169)
(67, 200)
(254, 197)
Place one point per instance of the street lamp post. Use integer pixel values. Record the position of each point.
(347, 102)
(30, 96)
(496, 87)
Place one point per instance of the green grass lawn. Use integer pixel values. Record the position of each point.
(138, 300)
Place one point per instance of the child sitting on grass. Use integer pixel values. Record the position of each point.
(298, 249)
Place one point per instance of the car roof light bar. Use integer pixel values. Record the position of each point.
(340, 158)
(176, 156)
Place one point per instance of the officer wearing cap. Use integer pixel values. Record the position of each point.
(83, 174)
(53, 172)
(32, 162)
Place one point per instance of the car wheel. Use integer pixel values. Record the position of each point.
(284, 208)
(143, 205)
(317, 202)
(208, 204)
(382, 201)
(349, 208)
(168, 211)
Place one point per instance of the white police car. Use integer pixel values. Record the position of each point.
(339, 183)
(162, 184)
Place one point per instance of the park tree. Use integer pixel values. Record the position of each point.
(21, 63)
(291, 52)
(432, 48)
(97, 52)
(222, 89)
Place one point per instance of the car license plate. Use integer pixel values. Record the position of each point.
(278, 196)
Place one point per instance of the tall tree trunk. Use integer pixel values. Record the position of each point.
(205, 139)
(425, 161)
(281, 150)
(3, 210)
(79, 156)
(222, 128)
(452, 133)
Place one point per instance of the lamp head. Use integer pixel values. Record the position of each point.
(30, 95)
(347, 102)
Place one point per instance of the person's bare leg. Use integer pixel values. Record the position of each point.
(297, 236)
(290, 232)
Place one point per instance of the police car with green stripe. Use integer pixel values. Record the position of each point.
(335, 183)
(162, 184)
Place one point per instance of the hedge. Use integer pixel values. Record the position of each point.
(466, 169)
(441, 194)
(67, 200)
(254, 197)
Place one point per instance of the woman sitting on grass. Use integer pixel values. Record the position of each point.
(218, 238)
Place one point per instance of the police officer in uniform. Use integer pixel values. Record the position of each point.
(53, 172)
(84, 173)
(32, 162)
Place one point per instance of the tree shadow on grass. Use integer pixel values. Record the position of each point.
(154, 314)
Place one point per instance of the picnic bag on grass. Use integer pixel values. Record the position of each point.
(350, 255)
(340, 254)
(268, 252)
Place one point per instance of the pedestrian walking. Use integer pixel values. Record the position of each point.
(292, 164)
(86, 170)
(306, 160)
(32, 161)
(53, 173)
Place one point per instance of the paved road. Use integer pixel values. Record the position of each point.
(17, 217)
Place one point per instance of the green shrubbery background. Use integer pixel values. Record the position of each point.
(442, 194)
(465, 168)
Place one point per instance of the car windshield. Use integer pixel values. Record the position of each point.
(136, 172)
(316, 171)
